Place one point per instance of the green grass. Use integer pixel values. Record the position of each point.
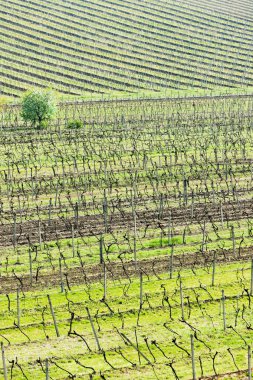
(151, 324)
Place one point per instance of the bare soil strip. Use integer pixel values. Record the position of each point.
(27, 232)
(117, 270)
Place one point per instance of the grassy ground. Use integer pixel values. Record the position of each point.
(159, 320)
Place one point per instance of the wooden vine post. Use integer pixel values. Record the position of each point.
(182, 300)
(141, 289)
(233, 238)
(101, 242)
(193, 358)
(47, 370)
(105, 212)
(135, 237)
(105, 280)
(61, 275)
(18, 307)
(171, 260)
(249, 364)
(53, 316)
(223, 309)
(214, 265)
(4, 361)
(30, 266)
(93, 329)
(251, 278)
(73, 239)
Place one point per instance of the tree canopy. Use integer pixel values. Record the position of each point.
(38, 107)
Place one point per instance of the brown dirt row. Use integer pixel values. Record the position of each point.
(117, 270)
(92, 225)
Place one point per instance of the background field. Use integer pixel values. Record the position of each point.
(123, 47)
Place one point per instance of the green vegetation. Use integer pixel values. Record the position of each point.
(75, 124)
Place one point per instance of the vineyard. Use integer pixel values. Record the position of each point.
(100, 47)
(126, 245)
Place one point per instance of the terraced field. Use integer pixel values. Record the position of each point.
(126, 245)
(96, 46)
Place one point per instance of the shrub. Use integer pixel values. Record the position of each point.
(75, 124)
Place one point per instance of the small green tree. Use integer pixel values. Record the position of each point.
(38, 107)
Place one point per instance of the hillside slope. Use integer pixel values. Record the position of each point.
(113, 45)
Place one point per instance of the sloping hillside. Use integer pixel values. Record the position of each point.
(103, 45)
